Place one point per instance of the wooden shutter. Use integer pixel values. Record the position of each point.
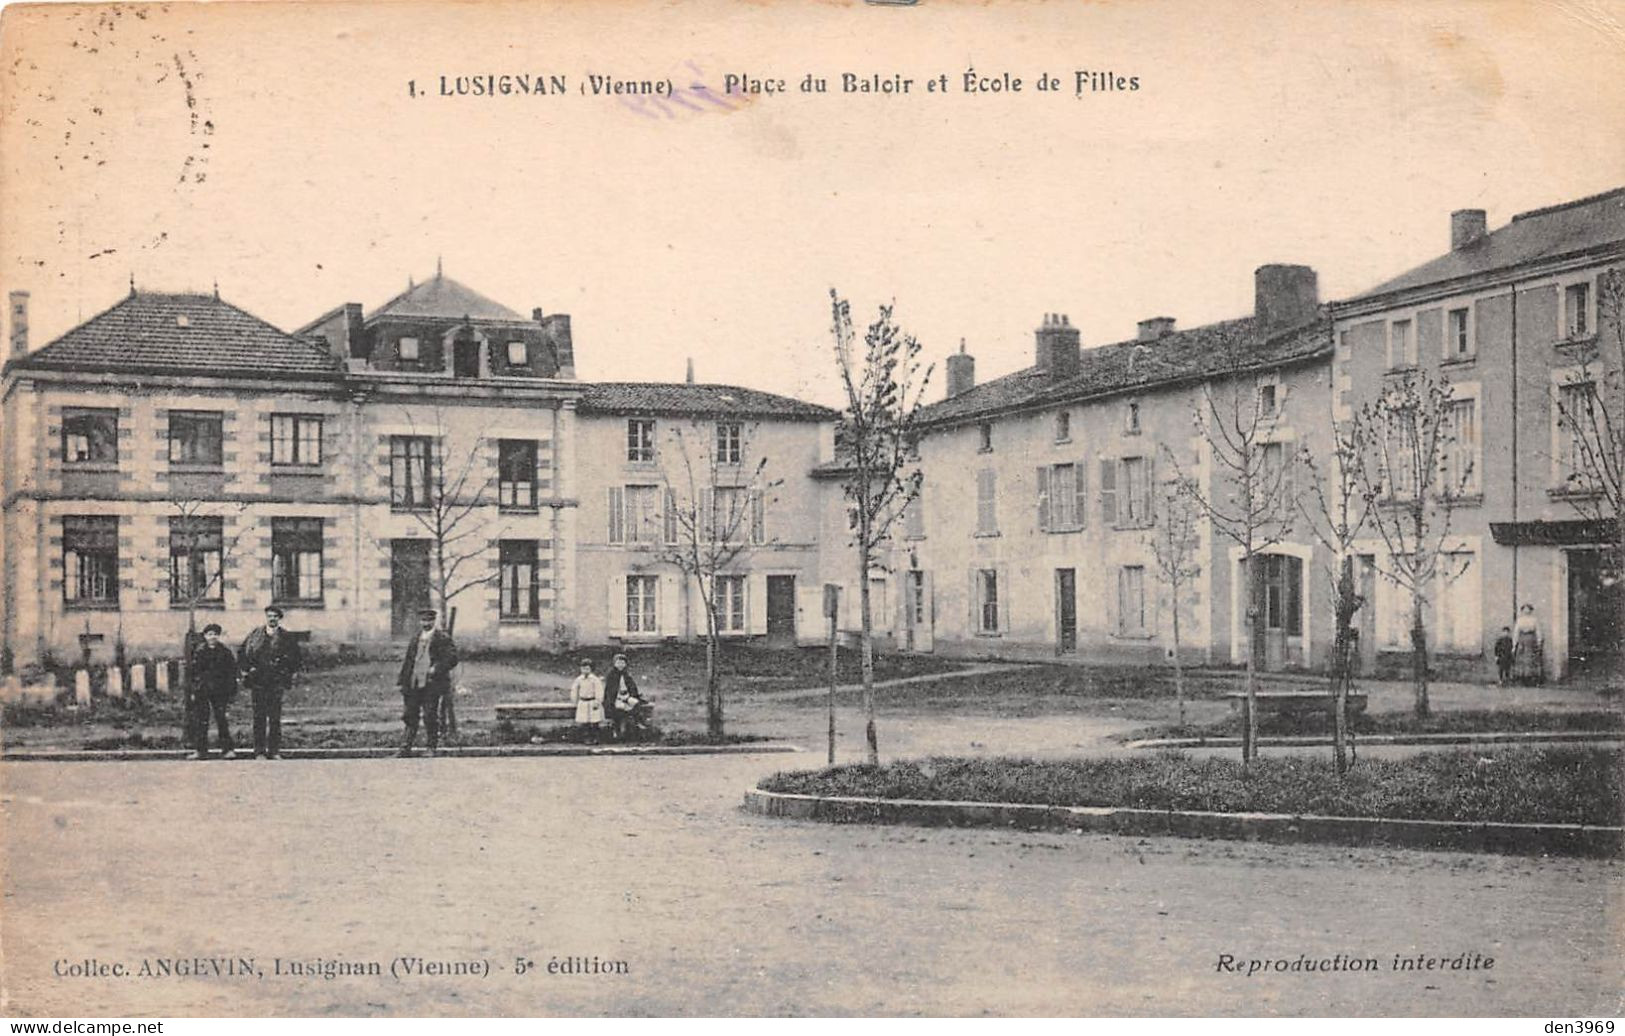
(1108, 492)
(1043, 498)
(975, 598)
(617, 605)
(1080, 507)
(617, 522)
(670, 516)
(1006, 598)
(1150, 490)
(758, 517)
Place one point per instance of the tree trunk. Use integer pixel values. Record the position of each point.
(1249, 734)
(713, 684)
(1341, 664)
(1179, 669)
(1419, 656)
(871, 740)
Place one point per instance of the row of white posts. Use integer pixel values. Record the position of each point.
(119, 685)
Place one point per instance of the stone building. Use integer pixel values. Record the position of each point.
(1044, 490)
(176, 456)
(1520, 323)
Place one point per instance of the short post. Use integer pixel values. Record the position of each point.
(115, 682)
(81, 688)
(161, 676)
(832, 607)
(138, 678)
(14, 688)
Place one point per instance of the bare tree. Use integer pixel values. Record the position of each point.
(1590, 405)
(1249, 498)
(1337, 519)
(877, 437)
(714, 514)
(1412, 479)
(1174, 548)
(199, 552)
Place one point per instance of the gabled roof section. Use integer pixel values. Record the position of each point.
(154, 332)
(683, 398)
(443, 297)
(1550, 233)
(1212, 350)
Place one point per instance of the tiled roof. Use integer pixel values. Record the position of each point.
(193, 333)
(443, 297)
(1548, 233)
(1199, 352)
(654, 397)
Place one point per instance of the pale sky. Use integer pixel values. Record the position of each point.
(1340, 135)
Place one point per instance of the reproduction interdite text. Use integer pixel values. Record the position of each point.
(1250, 966)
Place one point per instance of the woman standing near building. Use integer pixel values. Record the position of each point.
(1528, 663)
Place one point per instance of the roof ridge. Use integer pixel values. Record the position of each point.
(1576, 203)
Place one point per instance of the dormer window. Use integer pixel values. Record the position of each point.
(408, 349)
(1063, 426)
(518, 354)
(984, 437)
(1131, 418)
(1576, 302)
(1266, 400)
(640, 440)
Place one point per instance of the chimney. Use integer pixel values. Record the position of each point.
(1154, 328)
(1057, 346)
(356, 346)
(1285, 296)
(557, 329)
(19, 324)
(1467, 227)
(961, 372)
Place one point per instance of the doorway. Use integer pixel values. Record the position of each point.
(1595, 589)
(1066, 611)
(781, 610)
(408, 584)
(465, 359)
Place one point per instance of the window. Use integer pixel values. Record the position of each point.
(195, 438)
(633, 515)
(640, 440)
(1131, 418)
(1061, 497)
(730, 602)
(1063, 426)
(1271, 470)
(516, 473)
(1576, 301)
(518, 354)
(1461, 452)
(641, 610)
(90, 437)
(1283, 593)
(737, 511)
(987, 600)
(196, 548)
(408, 349)
(914, 518)
(1401, 459)
(517, 580)
(1266, 400)
(296, 559)
(1135, 495)
(728, 435)
(987, 512)
(409, 471)
(1457, 625)
(1458, 341)
(296, 439)
(984, 436)
(1131, 600)
(1577, 421)
(90, 560)
(1401, 344)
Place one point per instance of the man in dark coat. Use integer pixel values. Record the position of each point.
(214, 684)
(425, 677)
(269, 658)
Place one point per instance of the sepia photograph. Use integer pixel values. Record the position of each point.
(845, 508)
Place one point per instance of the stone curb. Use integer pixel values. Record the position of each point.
(1557, 839)
(471, 752)
(1364, 740)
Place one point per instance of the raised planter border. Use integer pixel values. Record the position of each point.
(1559, 839)
(1501, 737)
(155, 755)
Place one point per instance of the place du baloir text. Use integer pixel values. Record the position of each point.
(971, 82)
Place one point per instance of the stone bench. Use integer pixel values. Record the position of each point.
(1296, 702)
(531, 711)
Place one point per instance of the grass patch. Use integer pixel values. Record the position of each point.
(1568, 785)
(1465, 721)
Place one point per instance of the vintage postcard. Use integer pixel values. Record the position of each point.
(914, 508)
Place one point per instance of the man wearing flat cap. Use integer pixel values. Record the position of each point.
(425, 677)
(269, 658)
(214, 684)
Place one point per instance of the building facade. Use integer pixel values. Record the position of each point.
(1523, 325)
